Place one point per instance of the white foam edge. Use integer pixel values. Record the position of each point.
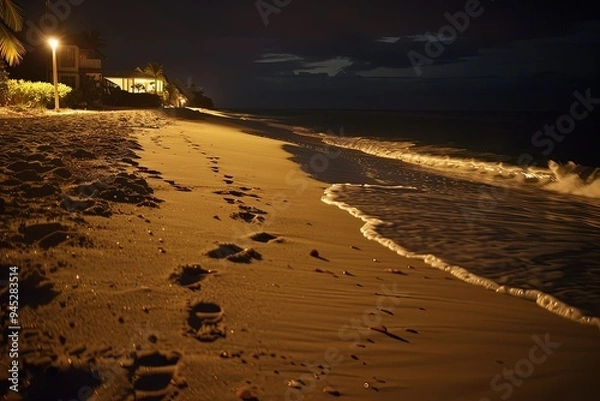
(369, 231)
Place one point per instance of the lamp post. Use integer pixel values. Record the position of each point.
(54, 44)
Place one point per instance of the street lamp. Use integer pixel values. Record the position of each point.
(54, 44)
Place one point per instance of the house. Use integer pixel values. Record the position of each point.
(135, 81)
(172, 92)
(78, 62)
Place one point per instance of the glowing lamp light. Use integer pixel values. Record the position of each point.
(53, 43)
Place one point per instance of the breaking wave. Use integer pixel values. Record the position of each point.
(569, 178)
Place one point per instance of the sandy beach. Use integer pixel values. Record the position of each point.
(164, 258)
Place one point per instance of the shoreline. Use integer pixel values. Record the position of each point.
(262, 317)
(544, 300)
(315, 157)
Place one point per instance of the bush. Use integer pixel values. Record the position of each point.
(89, 96)
(123, 98)
(34, 94)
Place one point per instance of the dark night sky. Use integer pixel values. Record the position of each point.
(353, 54)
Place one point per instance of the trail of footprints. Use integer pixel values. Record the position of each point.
(188, 140)
(205, 320)
(213, 162)
(155, 174)
(214, 166)
(153, 374)
(157, 139)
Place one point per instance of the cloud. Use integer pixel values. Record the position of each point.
(278, 58)
(388, 39)
(352, 48)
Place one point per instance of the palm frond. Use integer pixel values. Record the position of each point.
(155, 69)
(10, 14)
(11, 48)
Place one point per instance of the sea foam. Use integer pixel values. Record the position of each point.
(567, 179)
(371, 231)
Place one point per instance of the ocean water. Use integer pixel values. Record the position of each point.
(481, 195)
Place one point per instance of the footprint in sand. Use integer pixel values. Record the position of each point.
(178, 187)
(249, 214)
(193, 145)
(189, 276)
(214, 160)
(151, 173)
(238, 194)
(153, 373)
(234, 253)
(228, 179)
(263, 237)
(158, 141)
(204, 322)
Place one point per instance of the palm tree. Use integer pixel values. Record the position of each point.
(11, 21)
(156, 71)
